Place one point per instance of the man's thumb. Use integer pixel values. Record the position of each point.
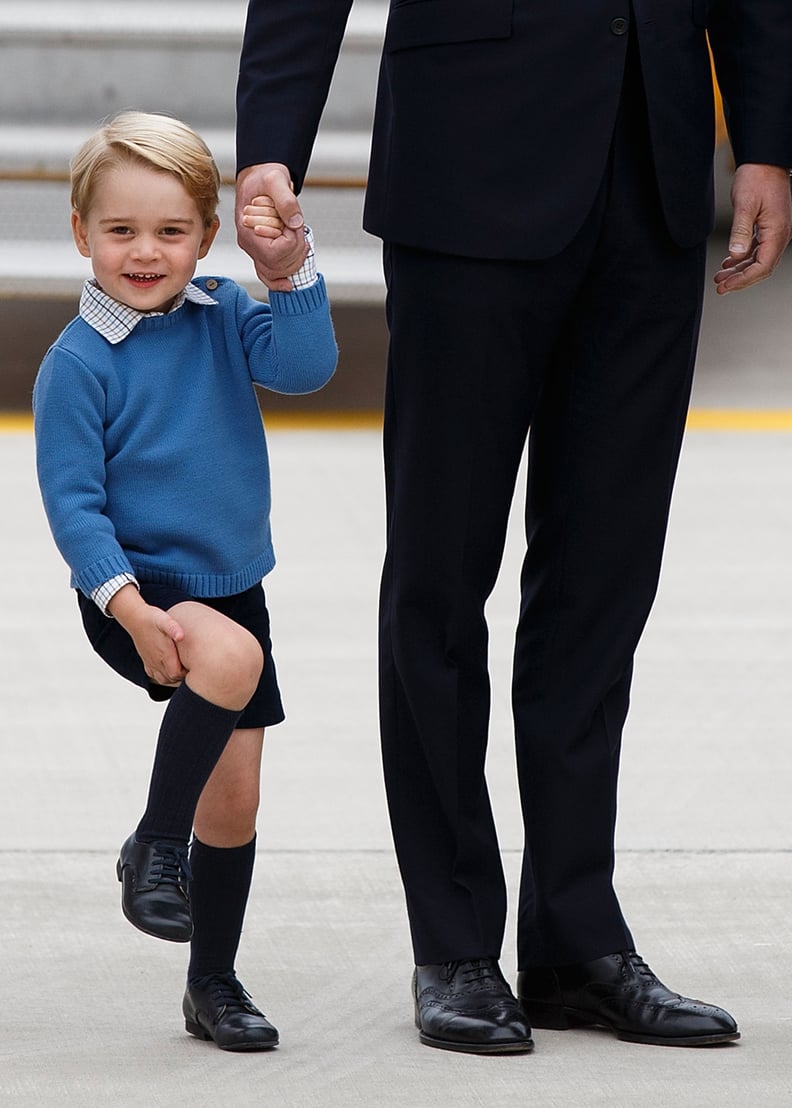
(286, 203)
(741, 233)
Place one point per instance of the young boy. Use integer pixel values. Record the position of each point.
(153, 470)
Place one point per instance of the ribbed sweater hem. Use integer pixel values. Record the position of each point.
(196, 584)
(209, 584)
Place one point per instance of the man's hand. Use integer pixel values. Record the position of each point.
(761, 228)
(275, 257)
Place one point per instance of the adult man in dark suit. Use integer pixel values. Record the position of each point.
(541, 176)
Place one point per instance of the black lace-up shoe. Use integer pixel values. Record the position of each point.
(217, 1008)
(621, 993)
(468, 1006)
(154, 888)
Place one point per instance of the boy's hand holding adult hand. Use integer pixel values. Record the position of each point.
(156, 635)
(275, 257)
(761, 227)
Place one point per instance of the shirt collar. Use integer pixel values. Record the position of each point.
(115, 321)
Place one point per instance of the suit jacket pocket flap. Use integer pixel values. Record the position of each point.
(432, 22)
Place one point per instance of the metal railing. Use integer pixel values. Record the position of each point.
(61, 177)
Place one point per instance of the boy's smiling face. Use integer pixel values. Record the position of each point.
(144, 236)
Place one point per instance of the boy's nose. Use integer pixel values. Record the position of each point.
(145, 246)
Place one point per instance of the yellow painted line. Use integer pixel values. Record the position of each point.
(699, 419)
(323, 421)
(11, 422)
(20, 422)
(739, 419)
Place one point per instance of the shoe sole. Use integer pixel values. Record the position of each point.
(690, 1040)
(522, 1046)
(549, 1018)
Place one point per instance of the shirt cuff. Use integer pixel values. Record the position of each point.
(306, 275)
(102, 595)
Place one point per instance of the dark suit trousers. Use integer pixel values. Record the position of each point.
(593, 351)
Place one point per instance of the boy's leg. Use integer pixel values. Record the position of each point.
(192, 737)
(223, 852)
(224, 663)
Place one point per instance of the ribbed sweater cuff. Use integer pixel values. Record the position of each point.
(100, 571)
(299, 301)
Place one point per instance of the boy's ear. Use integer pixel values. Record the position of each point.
(80, 234)
(208, 237)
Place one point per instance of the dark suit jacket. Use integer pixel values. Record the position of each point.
(494, 117)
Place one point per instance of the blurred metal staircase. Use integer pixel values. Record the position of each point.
(68, 64)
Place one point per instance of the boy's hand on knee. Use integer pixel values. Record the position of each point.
(156, 635)
(156, 640)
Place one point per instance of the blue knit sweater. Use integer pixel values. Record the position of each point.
(151, 453)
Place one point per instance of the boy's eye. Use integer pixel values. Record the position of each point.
(120, 230)
(172, 231)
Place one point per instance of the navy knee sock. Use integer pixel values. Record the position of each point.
(192, 737)
(218, 896)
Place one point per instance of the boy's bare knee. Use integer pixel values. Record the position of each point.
(241, 662)
(224, 662)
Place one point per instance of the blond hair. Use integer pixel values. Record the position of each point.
(158, 141)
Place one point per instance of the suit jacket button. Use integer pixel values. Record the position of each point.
(619, 26)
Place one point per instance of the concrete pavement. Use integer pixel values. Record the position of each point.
(90, 1012)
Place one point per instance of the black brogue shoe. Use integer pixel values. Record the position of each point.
(468, 1006)
(620, 992)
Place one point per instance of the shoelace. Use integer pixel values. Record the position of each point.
(641, 970)
(170, 865)
(638, 965)
(227, 992)
(475, 971)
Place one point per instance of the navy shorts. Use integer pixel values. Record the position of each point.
(249, 609)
